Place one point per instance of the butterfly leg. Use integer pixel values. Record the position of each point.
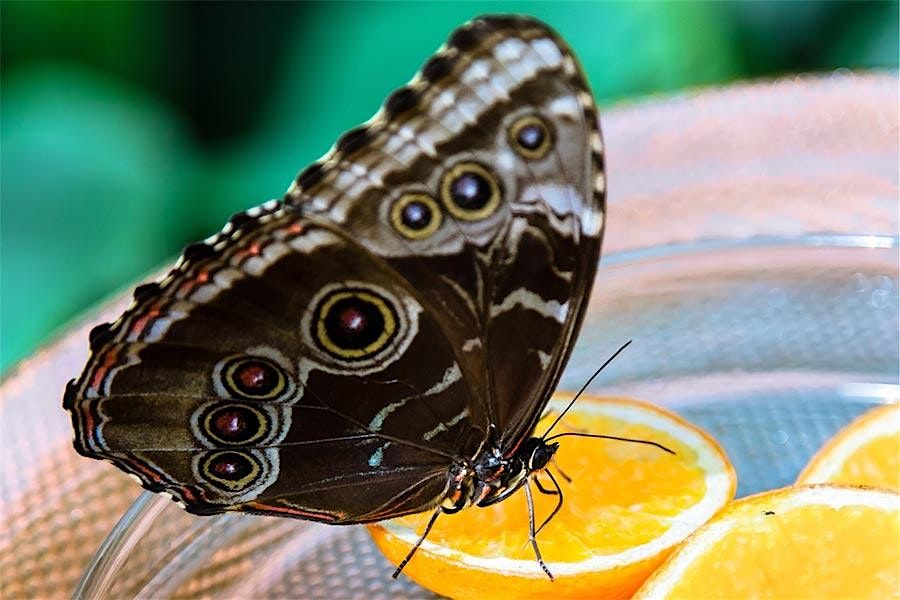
(531, 532)
(559, 501)
(418, 543)
(541, 488)
(561, 472)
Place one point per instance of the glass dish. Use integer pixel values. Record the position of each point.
(770, 344)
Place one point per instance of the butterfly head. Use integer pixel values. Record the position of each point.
(536, 453)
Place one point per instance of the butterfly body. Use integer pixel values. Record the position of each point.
(490, 477)
(383, 340)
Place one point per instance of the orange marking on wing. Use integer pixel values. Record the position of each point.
(138, 327)
(109, 360)
(318, 516)
(89, 420)
(186, 288)
(139, 466)
(242, 254)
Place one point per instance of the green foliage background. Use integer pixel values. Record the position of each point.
(129, 129)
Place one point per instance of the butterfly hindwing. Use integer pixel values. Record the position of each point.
(270, 370)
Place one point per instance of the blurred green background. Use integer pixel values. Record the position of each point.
(129, 129)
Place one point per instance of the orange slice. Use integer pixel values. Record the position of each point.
(626, 508)
(865, 452)
(822, 541)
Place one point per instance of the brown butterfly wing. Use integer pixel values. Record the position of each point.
(329, 360)
(278, 369)
(504, 101)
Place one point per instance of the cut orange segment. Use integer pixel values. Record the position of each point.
(865, 452)
(626, 508)
(821, 541)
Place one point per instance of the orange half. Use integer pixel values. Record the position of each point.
(865, 452)
(627, 507)
(823, 541)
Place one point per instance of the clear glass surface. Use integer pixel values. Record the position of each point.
(770, 344)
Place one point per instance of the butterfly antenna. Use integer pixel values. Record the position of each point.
(405, 561)
(584, 387)
(611, 437)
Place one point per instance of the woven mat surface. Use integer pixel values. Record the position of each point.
(808, 154)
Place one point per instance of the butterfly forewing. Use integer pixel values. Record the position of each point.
(331, 357)
(503, 101)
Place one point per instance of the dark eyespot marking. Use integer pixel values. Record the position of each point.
(310, 176)
(353, 140)
(354, 323)
(235, 424)
(199, 251)
(437, 68)
(254, 377)
(416, 216)
(230, 470)
(401, 101)
(470, 192)
(530, 137)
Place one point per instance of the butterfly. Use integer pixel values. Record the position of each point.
(383, 340)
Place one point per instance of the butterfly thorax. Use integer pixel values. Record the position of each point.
(491, 477)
